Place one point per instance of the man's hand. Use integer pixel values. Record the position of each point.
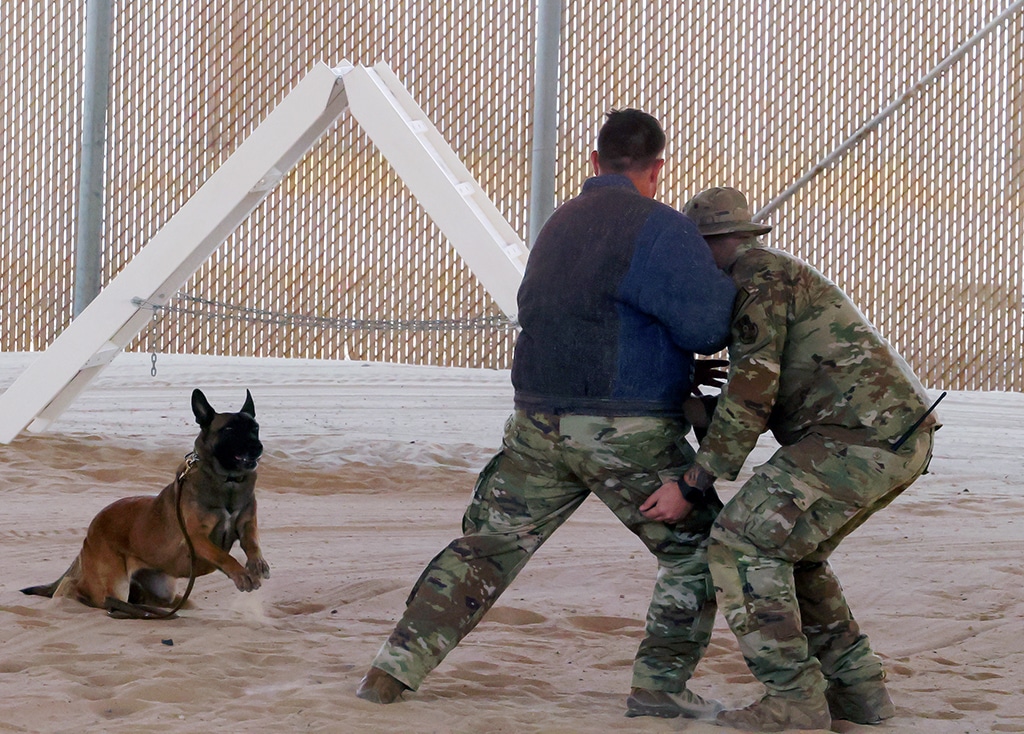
(666, 504)
(709, 372)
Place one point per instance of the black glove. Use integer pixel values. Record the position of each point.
(710, 373)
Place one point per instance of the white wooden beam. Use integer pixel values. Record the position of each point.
(184, 243)
(439, 181)
(395, 123)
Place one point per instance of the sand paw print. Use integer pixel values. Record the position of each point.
(966, 703)
(292, 608)
(514, 616)
(608, 625)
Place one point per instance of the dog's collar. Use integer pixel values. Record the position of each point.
(192, 458)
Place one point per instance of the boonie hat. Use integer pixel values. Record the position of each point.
(722, 210)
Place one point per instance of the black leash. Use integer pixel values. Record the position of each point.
(126, 610)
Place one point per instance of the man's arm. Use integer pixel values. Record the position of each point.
(758, 338)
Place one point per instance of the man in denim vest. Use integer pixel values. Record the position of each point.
(619, 293)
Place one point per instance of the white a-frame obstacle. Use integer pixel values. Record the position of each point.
(393, 121)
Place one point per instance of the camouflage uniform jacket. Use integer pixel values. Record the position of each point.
(803, 358)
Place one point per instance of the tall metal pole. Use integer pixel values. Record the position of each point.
(545, 115)
(96, 96)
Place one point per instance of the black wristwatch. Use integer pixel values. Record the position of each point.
(691, 494)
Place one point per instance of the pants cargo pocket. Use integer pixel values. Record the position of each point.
(479, 512)
(769, 513)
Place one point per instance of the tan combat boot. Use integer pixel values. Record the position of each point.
(774, 713)
(862, 703)
(645, 702)
(380, 687)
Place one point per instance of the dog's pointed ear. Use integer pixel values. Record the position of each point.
(248, 407)
(201, 407)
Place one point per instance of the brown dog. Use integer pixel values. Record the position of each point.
(135, 550)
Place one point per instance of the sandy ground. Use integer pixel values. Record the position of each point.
(367, 471)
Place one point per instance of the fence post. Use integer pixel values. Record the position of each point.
(545, 115)
(96, 95)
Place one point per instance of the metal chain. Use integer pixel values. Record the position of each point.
(153, 334)
(204, 307)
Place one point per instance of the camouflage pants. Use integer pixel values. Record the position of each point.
(769, 558)
(547, 467)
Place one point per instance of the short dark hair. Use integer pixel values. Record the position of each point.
(629, 140)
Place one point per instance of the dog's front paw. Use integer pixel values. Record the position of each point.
(258, 567)
(246, 581)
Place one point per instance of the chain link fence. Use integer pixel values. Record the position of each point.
(921, 223)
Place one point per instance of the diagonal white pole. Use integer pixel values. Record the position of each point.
(159, 269)
(386, 111)
(440, 181)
